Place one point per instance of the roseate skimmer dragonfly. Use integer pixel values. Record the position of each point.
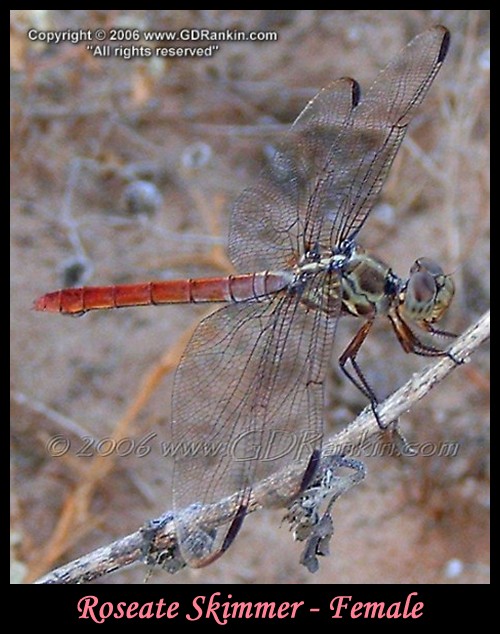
(254, 370)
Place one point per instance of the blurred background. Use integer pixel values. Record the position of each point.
(124, 170)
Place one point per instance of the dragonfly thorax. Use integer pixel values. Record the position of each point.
(365, 285)
(369, 286)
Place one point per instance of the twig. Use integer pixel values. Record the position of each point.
(157, 542)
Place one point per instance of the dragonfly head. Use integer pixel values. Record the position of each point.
(428, 292)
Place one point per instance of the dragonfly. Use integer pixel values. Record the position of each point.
(252, 376)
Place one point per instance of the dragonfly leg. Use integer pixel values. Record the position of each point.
(358, 378)
(233, 530)
(411, 343)
(437, 331)
(312, 467)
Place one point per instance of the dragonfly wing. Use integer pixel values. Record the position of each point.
(268, 218)
(248, 399)
(373, 136)
(323, 180)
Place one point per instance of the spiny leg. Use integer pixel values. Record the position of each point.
(362, 384)
(443, 333)
(359, 380)
(437, 331)
(233, 530)
(411, 343)
(310, 472)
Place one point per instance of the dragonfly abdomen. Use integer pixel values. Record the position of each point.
(232, 288)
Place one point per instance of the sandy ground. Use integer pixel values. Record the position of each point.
(87, 129)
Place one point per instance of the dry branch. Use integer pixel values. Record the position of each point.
(157, 541)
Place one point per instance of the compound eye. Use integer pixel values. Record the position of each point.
(426, 264)
(428, 292)
(420, 293)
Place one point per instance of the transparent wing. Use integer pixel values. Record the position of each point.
(268, 218)
(373, 136)
(324, 178)
(247, 400)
